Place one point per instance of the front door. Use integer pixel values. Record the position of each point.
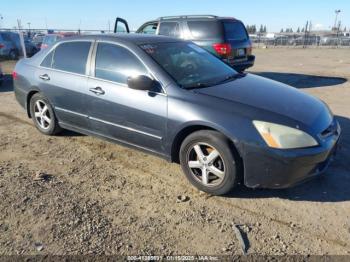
(133, 116)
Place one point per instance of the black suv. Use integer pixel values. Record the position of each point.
(225, 37)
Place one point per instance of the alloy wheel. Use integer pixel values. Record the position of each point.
(42, 114)
(206, 164)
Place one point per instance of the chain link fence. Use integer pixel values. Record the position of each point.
(302, 40)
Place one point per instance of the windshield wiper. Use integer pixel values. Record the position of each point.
(229, 78)
(196, 85)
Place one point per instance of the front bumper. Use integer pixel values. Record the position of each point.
(275, 168)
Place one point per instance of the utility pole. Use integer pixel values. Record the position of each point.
(1, 19)
(338, 31)
(305, 34)
(21, 38)
(28, 28)
(336, 18)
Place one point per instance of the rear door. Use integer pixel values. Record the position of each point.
(170, 28)
(62, 78)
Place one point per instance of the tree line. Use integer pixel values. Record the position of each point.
(252, 29)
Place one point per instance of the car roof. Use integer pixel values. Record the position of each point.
(123, 37)
(195, 17)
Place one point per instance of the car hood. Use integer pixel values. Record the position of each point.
(276, 97)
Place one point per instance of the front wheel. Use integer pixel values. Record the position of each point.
(208, 162)
(43, 115)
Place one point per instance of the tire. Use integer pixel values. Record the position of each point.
(13, 55)
(42, 123)
(209, 142)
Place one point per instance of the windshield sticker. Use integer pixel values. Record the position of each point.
(149, 49)
(197, 48)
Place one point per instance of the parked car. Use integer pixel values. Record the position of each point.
(173, 98)
(50, 39)
(307, 40)
(38, 40)
(1, 76)
(10, 45)
(225, 37)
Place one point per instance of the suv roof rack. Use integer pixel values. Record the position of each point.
(187, 16)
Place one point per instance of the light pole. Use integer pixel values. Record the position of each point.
(336, 18)
(28, 28)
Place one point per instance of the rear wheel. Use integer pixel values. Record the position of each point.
(13, 55)
(43, 115)
(208, 162)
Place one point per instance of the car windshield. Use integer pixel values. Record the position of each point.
(189, 65)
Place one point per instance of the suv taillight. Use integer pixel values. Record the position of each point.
(2, 46)
(222, 49)
(249, 50)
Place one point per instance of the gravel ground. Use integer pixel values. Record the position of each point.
(101, 198)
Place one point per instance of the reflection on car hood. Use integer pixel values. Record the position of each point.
(263, 93)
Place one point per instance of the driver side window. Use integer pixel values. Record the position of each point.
(116, 63)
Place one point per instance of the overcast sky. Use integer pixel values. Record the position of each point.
(72, 14)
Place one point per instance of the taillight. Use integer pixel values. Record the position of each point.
(249, 50)
(2, 45)
(223, 49)
(14, 75)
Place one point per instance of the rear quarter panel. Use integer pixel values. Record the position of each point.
(25, 82)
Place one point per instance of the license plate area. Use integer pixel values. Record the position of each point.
(240, 52)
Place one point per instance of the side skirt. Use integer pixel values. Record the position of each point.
(113, 140)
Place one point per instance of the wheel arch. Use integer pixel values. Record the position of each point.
(30, 94)
(186, 131)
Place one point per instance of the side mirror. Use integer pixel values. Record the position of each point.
(141, 82)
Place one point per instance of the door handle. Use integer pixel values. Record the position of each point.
(97, 90)
(44, 77)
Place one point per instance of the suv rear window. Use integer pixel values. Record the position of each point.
(205, 29)
(235, 30)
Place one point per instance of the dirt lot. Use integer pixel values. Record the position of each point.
(102, 198)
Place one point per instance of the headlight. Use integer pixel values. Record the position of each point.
(283, 137)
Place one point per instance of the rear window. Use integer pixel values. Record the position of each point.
(205, 29)
(235, 31)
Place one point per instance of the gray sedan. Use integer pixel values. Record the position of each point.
(174, 99)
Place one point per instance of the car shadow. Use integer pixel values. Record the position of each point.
(7, 84)
(333, 186)
(69, 133)
(302, 80)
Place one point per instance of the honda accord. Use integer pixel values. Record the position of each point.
(172, 98)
